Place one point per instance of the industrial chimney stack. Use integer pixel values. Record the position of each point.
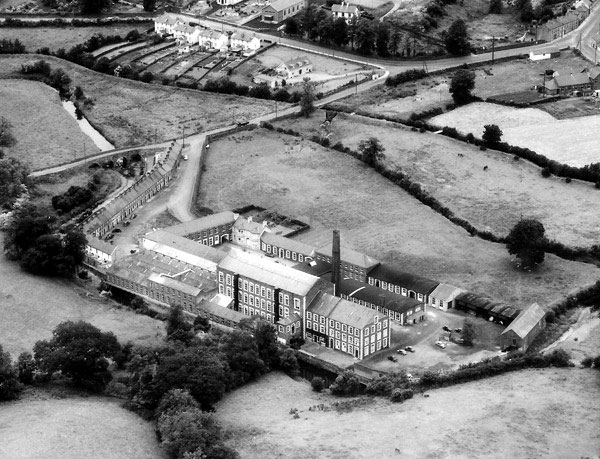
(335, 262)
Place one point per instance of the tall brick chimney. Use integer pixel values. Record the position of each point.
(335, 262)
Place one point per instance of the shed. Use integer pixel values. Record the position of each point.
(523, 330)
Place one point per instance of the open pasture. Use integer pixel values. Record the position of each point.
(33, 107)
(329, 190)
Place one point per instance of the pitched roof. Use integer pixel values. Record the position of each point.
(287, 243)
(289, 319)
(246, 225)
(100, 245)
(220, 311)
(350, 256)
(526, 321)
(167, 19)
(595, 71)
(200, 224)
(551, 85)
(161, 279)
(343, 311)
(279, 5)
(377, 296)
(474, 301)
(242, 36)
(182, 249)
(572, 79)
(269, 272)
(446, 292)
(394, 275)
(344, 8)
(315, 267)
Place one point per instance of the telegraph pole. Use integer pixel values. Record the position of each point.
(493, 48)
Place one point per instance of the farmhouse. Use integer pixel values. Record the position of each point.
(565, 85)
(295, 67)
(345, 11)
(165, 24)
(285, 248)
(280, 10)
(211, 230)
(98, 252)
(241, 41)
(523, 330)
(339, 324)
(393, 279)
(354, 265)
(212, 39)
(398, 308)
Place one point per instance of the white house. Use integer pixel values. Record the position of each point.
(247, 232)
(165, 24)
(295, 67)
(99, 252)
(185, 33)
(213, 39)
(244, 42)
(545, 53)
(345, 11)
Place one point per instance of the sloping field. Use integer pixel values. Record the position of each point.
(514, 415)
(40, 426)
(46, 134)
(493, 199)
(132, 113)
(572, 141)
(64, 37)
(33, 306)
(329, 190)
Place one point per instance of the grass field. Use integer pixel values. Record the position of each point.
(46, 134)
(33, 306)
(329, 190)
(494, 199)
(50, 426)
(54, 38)
(132, 113)
(572, 141)
(514, 415)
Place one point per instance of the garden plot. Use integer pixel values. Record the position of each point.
(147, 53)
(164, 62)
(195, 61)
(196, 73)
(187, 61)
(117, 53)
(571, 141)
(453, 172)
(328, 190)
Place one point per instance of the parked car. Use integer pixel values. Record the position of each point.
(410, 349)
(116, 230)
(458, 330)
(133, 216)
(446, 328)
(459, 341)
(401, 351)
(440, 344)
(270, 255)
(185, 157)
(392, 358)
(126, 223)
(109, 237)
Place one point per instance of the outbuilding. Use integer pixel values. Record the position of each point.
(523, 330)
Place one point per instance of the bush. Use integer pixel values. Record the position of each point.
(546, 172)
(587, 362)
(399, 395)
(559, 358)
(317, 384)
(550, 317)
(346, 384)
(568, 180)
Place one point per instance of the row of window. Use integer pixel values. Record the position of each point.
(283, 253)
(156, 291)
(250, 311)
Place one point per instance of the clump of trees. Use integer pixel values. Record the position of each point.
(8, 46)
(14, 180)
(10, 387)
(75, 196)
(527, 240)
(346, 384)
(492, 135)
(371, 151)
(461, 85)
(456, 39)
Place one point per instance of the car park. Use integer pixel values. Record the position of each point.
(440, 344)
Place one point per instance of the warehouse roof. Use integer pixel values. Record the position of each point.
(394, 275)
(343, 311)
(377, 296)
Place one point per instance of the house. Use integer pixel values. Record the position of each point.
(485, 307)
(566, 85)
(545, 53)
(100, 253)
(264, 288)
(228, 2)
(443, 296)
(242, 41)
(182, 249)
(247, 232)
(185, 33)
(523, 330)
(393, 279)
(560, 26)
(295, 67)
(398, 308)
(166, 23)
(354, 265)
(286, 248)
(338, 324)
(279, 10)
(211, 230)
(583, 6)
(594, 76)
(345, 11)
(212, 39)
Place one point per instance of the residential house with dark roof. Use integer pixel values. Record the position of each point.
(354, 265)
(394, 279)
(279, 10)
(522, 331)
(560, 26)
(568, 84)
(401, 309)
(339, 324)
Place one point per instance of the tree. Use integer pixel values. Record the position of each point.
(289, 363)
(10, 387)
(468, 332)
(527, 240)
(79, 351)
(365, 36)
(340, 32)
(178, 327)
(93, 6)
(175, 401)
(201, 324)
(383, 39)
(461, 85)
(308, 21)
(265, 336)
(492, 135)
(317, 384)
(307, 105)
(292, 26)
(7, 139)
(457, 39)
(296, 340)
(495, 7)
(526, 13)
(371, 151)
(13, 180)
(149, 5)
(241, 352)
(346, 384)
(25, 367)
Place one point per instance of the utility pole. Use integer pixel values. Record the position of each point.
(275, 108)
(355, 84)
(493, 47)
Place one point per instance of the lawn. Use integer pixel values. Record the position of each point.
(513, 415)
(132, 113)
(46, 134)
(571, 141)
(43, 424)
(493, 199)
(65, 37)
(33, 306)
(329, 190)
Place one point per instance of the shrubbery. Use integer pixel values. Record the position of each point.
(403, 77)
(317, 384)
(75, 196)
(346, 384)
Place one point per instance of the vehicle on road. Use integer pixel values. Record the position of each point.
(440, 344)
(392, 358)
(109, 237)
(409, 349)
(401, 351)
(116, 230)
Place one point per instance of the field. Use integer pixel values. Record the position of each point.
(329, 190)
(132, 113)
(37, 116)
(513, 415)
(571, 141)
(492, 199)
(43, 424)
(33, 306)
(64, 37)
